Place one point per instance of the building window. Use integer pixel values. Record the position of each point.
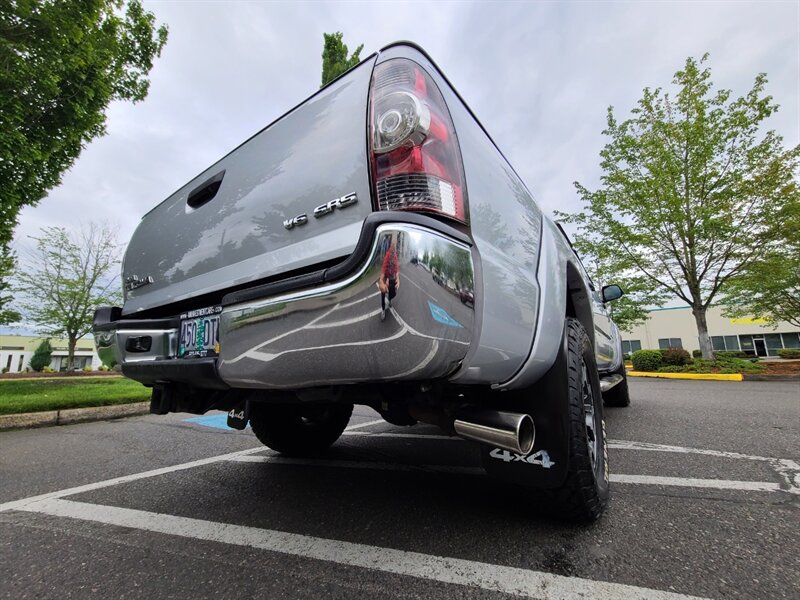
(791, 340)
(773, 341)
(727, 342)
(732, 342)
(665, 343)
(19, 365)
(746, 342)
(8, 364)
(631, 346)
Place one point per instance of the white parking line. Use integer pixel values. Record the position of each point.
(628, 445)
(361, 425)
(490, 577)
(718, 484)
(787, 469)
(400, 434)
(21, 504)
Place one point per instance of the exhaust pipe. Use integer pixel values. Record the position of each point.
(507, 430)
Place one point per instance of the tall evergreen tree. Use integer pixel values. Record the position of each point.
(334, 57)
(41, 356)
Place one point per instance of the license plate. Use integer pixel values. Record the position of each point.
(199, 333)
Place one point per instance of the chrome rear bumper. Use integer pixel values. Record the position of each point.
(335, 332)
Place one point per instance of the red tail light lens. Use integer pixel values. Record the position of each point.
(416, 161)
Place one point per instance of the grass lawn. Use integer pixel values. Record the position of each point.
(43, 394)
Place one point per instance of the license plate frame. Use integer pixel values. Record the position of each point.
(198, 334)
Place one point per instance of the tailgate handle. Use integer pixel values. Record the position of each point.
(205, 191)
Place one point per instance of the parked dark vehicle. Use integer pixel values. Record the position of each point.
(467, 296)
(280, 285)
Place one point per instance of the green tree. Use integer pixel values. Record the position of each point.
(41, 356)
(690, 192)
(61, 63)
(66, 278)
(6, 269)
(334, 57)
(633, 307)
(769, 287)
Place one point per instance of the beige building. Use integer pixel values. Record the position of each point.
(16, 352)
(675, 327)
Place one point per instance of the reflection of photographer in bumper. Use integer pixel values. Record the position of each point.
(389, 280)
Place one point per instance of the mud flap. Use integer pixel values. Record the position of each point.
(547, 402)
(239, 415)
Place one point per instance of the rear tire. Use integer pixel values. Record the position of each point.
(584, 494)
(299, 429)
(618, 396)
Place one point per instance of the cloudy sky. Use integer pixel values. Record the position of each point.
(539, 76)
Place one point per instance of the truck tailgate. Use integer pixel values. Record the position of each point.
(187, 247)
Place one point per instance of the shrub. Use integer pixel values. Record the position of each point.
(728, 364)
(646, 360)
(103, 368)
(5, 369)
(48, 370)
(626, 357)
(789, 353)
(697, 354)
(87, 369)
(730, 354)
(41, 356)
(672, 369)
(676, 356)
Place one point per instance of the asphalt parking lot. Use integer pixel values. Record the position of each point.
(705, 502)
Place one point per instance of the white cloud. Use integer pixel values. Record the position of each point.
(538, 75)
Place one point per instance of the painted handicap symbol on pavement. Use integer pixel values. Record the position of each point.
(216, 421)
(439, 314)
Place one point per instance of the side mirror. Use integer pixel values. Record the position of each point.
(612, 292)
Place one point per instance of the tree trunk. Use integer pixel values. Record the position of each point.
(702, 332)
(71, 352)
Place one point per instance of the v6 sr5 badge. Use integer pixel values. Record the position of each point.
(322, 210)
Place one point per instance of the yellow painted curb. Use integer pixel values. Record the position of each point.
(703, 376)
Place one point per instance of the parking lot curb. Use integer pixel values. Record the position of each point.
(773, 377)
(73, 415)
(701, 376)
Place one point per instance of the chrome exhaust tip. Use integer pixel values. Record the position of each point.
(510, 431)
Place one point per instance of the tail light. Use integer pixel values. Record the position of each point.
(416, 161)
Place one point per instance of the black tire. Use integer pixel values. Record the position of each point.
(584, 494)
(299, 429)
(618, 396)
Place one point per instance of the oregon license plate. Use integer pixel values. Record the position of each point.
(199, 333)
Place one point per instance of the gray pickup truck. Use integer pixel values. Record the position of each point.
(373, 246)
